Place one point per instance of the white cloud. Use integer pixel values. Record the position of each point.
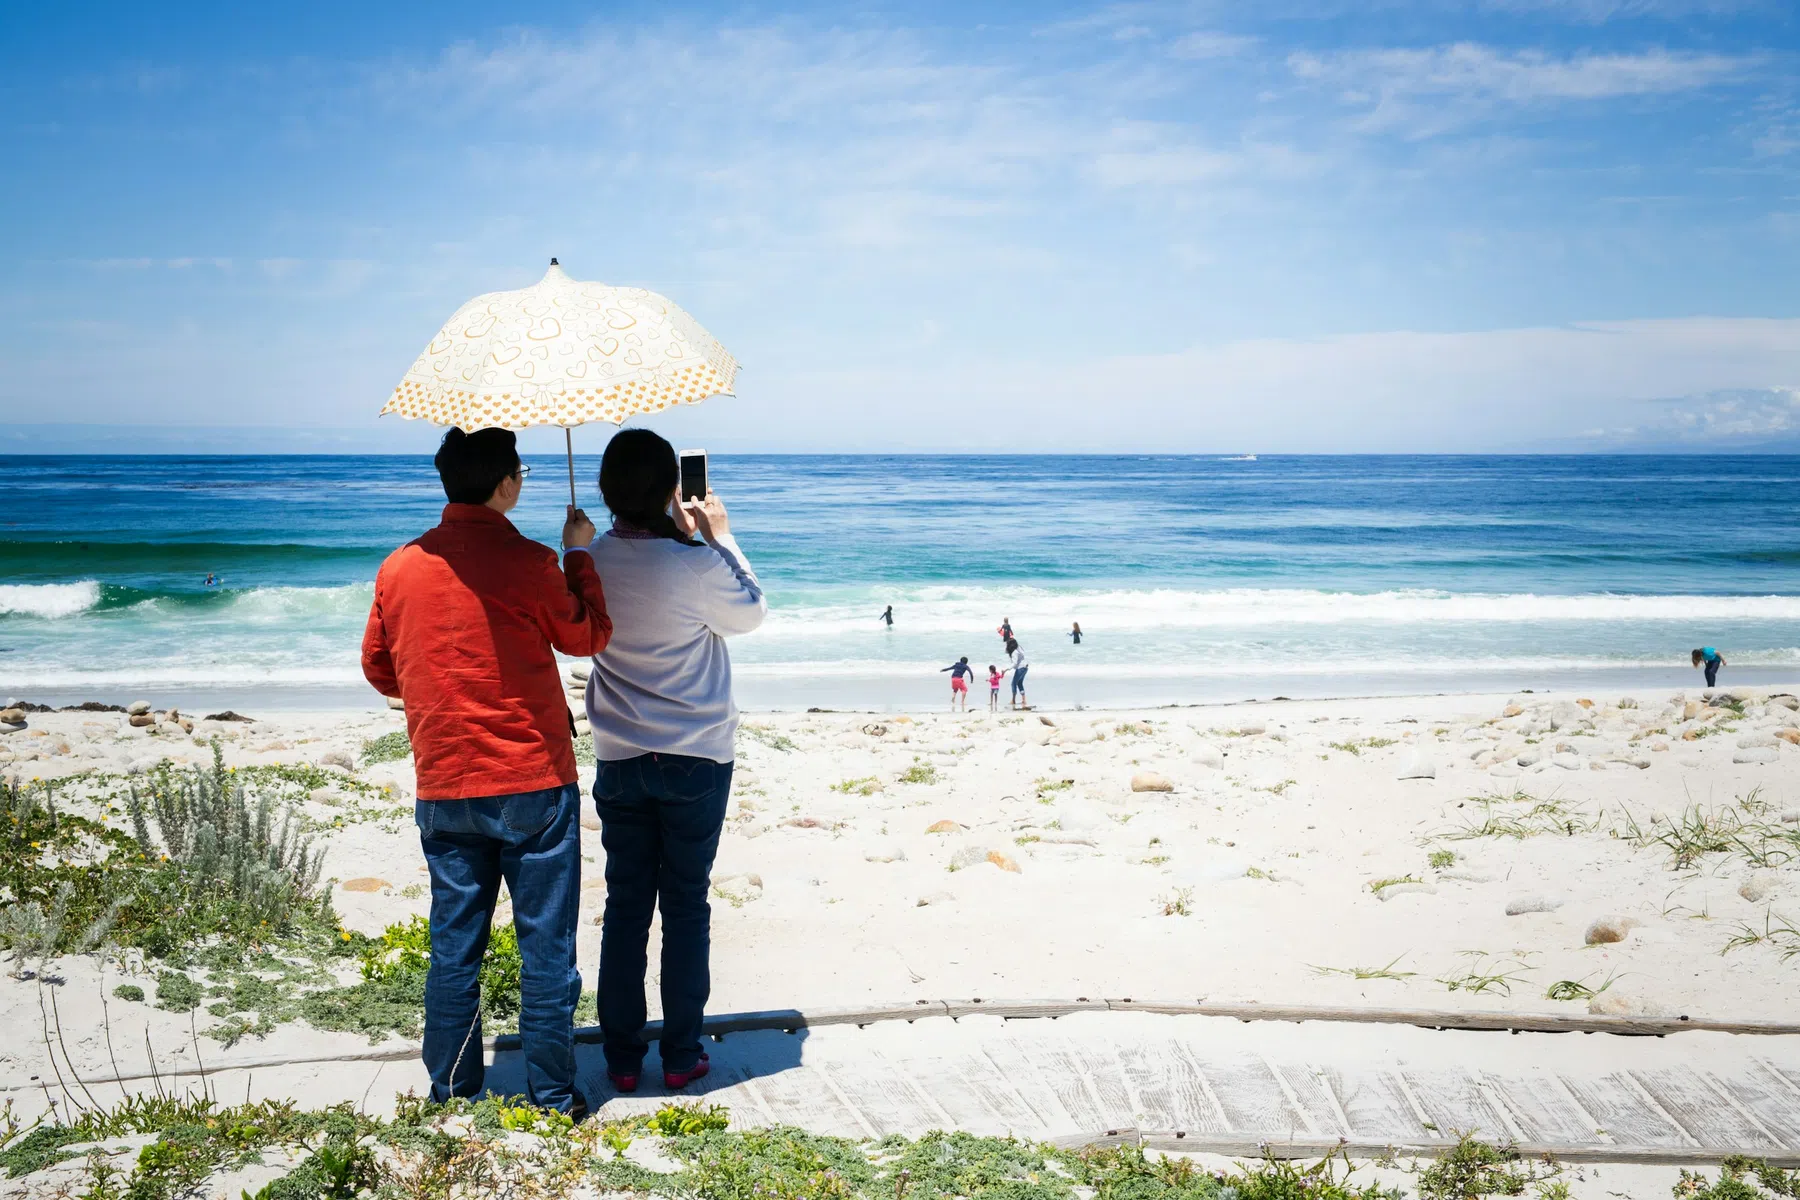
(1390, 392)
(1202, 45)
(1437, 87)
(1720, 419)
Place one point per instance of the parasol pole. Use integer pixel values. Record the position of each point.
(569, 442)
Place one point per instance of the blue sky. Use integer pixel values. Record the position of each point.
(1306, 226)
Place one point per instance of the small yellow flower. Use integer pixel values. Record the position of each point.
(345, 934)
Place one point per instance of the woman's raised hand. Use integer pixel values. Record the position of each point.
(707, 515)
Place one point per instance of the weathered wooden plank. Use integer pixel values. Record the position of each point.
(1254, 1101)
(881, 1096)
(998, 1094)
(1542, 1110)
(1018, 1064)
(1100, 1068)
(1196, 1107)
(1709, 1119)
(1310, 1093)
(1762, 1093)
(1020, 1009)
(1068, 1082)
(1441, 1019)
(1145, 1068)
(1374, 1105)
(1455, 1105)
(797, 1096)
(1626, 1115)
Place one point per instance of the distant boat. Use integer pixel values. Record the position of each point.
(1239, 458)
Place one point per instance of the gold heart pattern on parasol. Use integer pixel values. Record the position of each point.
(562, 352)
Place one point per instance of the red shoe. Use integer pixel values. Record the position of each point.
(624, 1082)
(676, 1080)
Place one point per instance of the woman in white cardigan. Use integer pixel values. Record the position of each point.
(659, 700)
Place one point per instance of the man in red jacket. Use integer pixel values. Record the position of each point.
(463, 628)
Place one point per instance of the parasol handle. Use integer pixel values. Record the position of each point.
(569, 442)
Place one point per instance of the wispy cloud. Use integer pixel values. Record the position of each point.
(1432, 89)
(1722, 419)
(1209, 44)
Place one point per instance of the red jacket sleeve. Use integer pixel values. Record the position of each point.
(575, 617)
(377, 655)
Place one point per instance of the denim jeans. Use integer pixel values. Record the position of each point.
(660, 816)
(1712, 673)
(533, 841)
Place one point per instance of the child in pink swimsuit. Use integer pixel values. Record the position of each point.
(993, 689)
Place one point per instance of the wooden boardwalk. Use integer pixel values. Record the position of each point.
(1188, 1081)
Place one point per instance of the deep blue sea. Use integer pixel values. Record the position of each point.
(1193, 578)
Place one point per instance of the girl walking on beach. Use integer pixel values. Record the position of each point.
(1020, 665)
(1076, 633)
(1713, 660)
(994, 677)
(960, 675)
(660, 703)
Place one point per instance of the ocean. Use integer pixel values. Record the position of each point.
(1195, 579)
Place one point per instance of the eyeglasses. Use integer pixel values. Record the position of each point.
(524, 470)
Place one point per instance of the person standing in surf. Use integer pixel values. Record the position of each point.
(1712, 660)
(888, 616)
(1005, 630)
(960, 675)
(1075, 633)
(1020, 665)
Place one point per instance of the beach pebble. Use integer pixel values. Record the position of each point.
(1760, 754)
(337, 758)
(1791, 703)
(1760, 886)
(1416, 765)
(579, 672)
(738, 889)
(1075, 737)
(137, 708)
(1609, 929)
(367, 883)
(143, 720)
(393, 702)
(1150, 781)
(1520, 905)
(1615, 1003)
(590, 819)
(1406, 889)
(931, 898)
(582, 727)
(1466, 875)
(1530, 757)
(944, 826)
(1511, 710)
(1790, 736)
(1568, 760)
(1208, 755)
(968, 856)
(1004, 862)
(12, 716)
(1751, 741)
(887, 855)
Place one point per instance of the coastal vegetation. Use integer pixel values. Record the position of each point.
(159, 1147)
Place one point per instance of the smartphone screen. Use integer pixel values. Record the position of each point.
(693, 474)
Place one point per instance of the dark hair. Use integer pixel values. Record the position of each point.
(1698, 655)
(472, 465)
(638, 473)
(1012, 644)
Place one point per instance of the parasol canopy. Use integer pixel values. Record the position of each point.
(562, 352)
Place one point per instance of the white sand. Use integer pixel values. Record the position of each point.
(1270, 839)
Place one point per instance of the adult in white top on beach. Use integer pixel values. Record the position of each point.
(659, 699)
(664, 685)
(1020, 664)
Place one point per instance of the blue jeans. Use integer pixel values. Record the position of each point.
(533, 841)
(660, 816)
(1018, 681)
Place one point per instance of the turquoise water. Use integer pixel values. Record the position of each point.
(1193, 578)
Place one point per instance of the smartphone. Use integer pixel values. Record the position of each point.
(693, 474)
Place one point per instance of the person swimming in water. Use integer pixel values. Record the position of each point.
(888, 616)
(960, 675)
(1076, 633)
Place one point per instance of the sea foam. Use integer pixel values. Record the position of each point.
(50, 600)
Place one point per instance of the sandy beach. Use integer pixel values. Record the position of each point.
(1457, 852)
